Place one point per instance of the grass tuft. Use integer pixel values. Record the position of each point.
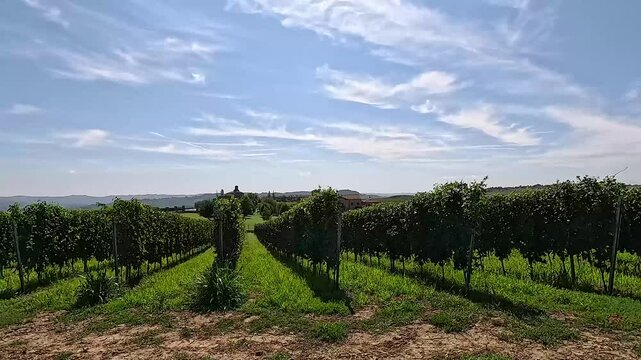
(218, 288)
(330, 331)
(544, 330)
(280, 356)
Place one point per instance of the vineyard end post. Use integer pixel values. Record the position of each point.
(20, 270)
(468, 272)
(339, 235)
(615, 247)
(115, 248)
(220, 239)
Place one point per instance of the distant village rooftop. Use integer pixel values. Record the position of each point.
(236, 193)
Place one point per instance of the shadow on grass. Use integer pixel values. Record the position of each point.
(7, 294)
(137, 276)
(482, 297)
(322, 286)
(50, 276)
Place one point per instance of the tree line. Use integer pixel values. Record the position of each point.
(249, 204)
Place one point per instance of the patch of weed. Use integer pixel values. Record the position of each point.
(330, 331)
(544, 330)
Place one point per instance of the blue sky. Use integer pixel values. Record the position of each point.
(123, 97)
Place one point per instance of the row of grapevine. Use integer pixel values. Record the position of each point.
(457, 221)
(435, 227)
(229, 214)
(51, 236)
(306, 231)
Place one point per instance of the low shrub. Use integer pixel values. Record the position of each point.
(219, 287)
(96, 288)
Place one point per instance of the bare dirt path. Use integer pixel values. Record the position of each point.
(191, 337)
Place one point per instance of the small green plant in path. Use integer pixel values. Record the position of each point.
(96, 288)
(545, 330)
(280, 356)
(485, 357)
(330, 331)
(218, 288)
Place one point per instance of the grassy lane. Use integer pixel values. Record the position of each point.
(150, 301)
(273, 285)
(251, 221)
(164, 289)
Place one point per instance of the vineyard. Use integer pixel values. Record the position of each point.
(460, 224)
(124, 237)
(454, 273)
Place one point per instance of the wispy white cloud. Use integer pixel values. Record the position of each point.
(209, 150)
(597, 139)
(182, 149)
(261, 115)
(374, 91)
(121, 67)
(87, 138)
(182, 46)
(23, 109)
(533, 22)
(493, 56)
(219, 95)
(126, 52)
(51, 13)
(486, 120)
(385, 143)
(386, 23)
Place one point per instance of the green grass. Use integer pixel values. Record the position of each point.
(150, 301)
(59, 296)
(524, 298)
(10, 280)
(251, 221)
(191, 215)
(273, 285)
(588, 278)
(330, 331)
(159, 291)
(544, 330)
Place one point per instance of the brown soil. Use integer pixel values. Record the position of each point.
(44, 338)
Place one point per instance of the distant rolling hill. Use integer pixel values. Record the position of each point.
(87, 202)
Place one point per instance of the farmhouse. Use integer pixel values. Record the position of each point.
(351, 201)
(236, 193)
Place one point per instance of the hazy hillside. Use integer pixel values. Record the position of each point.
(84, 201)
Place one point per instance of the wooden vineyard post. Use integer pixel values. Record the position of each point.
(339, 235)
(20, 270)
(115, 248)
(468, 272)
(220, 239)
(615, 247)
